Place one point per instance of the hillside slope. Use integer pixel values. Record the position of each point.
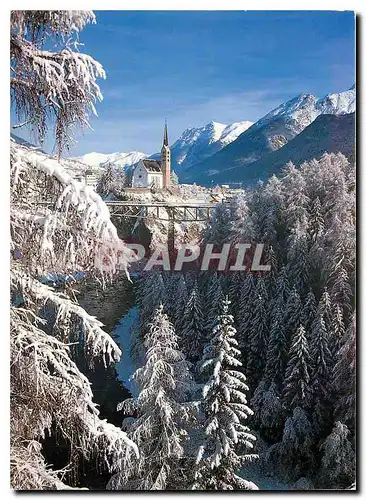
(328, 133)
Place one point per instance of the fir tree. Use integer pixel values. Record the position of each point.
(344, 377)
(214, 300)
(245, 314)
(258, 338)
(337, 330)
(338, 460)
(308, 312)
(292, 314)
(321, 362)
(297, 442)
(267, 409)
(297, 389)
(224, 403)
(161, 412)
(277, 352)
(181, 302)
(192, 333)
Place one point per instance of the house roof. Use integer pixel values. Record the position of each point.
(152, 165)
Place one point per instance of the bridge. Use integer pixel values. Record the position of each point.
(163, 211)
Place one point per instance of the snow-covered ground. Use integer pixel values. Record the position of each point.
(125, 367)
(253, 473)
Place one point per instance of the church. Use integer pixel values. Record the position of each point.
(154, 173)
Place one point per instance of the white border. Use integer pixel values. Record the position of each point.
(358, 6)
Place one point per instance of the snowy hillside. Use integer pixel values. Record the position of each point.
(270, 133)
(123, 160)
(198, 143)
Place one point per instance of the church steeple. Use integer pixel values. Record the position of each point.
(165, 158)
(165, 140)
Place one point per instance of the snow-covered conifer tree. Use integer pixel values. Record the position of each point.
(214, 300)
(258, 335)
(344, 377)
(321, 365)
(218, 230)
(108, 182)
(245, 314)
(152, 293)
(316, 221)
(339, 459)
(161, 412)
(277, 352)
(267, 409)
(297, 389)
(337, 330)
(325, 308)
(297, 442)
(308, 311)
(297, 256)
(174, 178)
(227, 439)
(292, 314)
(193, 334)
(181, 302)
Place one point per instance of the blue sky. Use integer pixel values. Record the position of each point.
(194, 67)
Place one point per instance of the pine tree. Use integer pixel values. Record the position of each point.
(174, 178)
(316, 221)
(297, 442)
(214, 300)
(267, 408)
(344, 377)
(280, 293)
(297, 256)
(258, 338)
(297, 389)
(227, 439)
(245, 314)
(292, 314)
(151, 294)
(161, 412)
(192, 334)
(107, 182)
(338, 460)
(325, 308)
(337, 330)
(308, 312)
(218, 230)
(341, 291)
(321, 363)
(181, 302)
(277, 352)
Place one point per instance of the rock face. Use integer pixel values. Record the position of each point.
(108, 304)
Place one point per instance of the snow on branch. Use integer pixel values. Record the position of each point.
(59, 85)
(48, 388)
(57, 223)
(97, 343)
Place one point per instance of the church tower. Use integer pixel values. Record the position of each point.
(165, 158)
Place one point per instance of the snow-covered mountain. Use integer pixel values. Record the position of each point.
(270, 133)
(122, 160)
(327, 133)
(196, 144)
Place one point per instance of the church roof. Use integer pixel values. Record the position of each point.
(152, 165)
